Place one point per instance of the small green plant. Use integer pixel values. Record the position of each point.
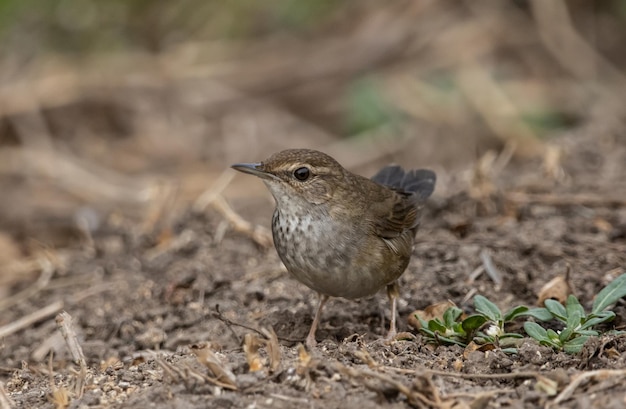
(494, 332)
(577, 325)
(487, 325)
(449, 329)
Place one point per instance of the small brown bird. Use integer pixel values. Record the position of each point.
(341, 234)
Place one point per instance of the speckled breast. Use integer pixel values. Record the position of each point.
(328, 258)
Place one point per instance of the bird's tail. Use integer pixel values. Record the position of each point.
(419, 181)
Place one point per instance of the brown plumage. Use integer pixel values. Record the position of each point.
(341, 234)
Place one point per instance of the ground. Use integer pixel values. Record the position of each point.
(137, 271)
(153, 312)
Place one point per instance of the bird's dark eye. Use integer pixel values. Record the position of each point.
(302, 173)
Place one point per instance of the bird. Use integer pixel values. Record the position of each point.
(339, 233)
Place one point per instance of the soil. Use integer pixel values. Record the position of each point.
(144, 304)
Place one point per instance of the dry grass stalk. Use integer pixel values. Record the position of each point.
(30, 319)
(213, 197)
(259, 234)
(497, 109)
(54, 342)
(251, 345)
(5, 401)
(65, 325)
(209, 359)
(572, 51)
(60, 397)
(566, 199)
(83, 179)
(383, 384)
(491, 269)
(583, 377)
(173, 373)
(160, 208)
(365, 356)
(23, 270)
(47, 269)
(184, 372)
(273, 349)
(209, 195)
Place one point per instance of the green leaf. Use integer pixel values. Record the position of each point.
(574, 346)
(610, 294)
(552, 335)
(423, 322)
(458, 328)
(589, 332)
(544, 122)
(436, 325)
(535, 331)
(573, 320)
(447, 340)
(427, 332)
(595, 319)
(539, 333)
(556, 309)
(450, 316)
(572, 305)
(515, 312)
(541, 314)
(509, 342)
(566, 334)
(487, 308)
(473, 322)
(602, 314)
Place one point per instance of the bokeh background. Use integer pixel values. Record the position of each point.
(126, 111)
(119, 120)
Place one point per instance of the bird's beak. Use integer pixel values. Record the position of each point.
(255, 169)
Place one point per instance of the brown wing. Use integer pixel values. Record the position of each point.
(397, 215)
(397, 221)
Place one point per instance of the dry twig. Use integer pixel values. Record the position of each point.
(498, 110)
(22, 270)
(213, 197)
(415, 397)
(47, 269)
(572, 51)
(222, 375)
(59, 396)
(185, 373)
(65, 325)
(251, 345)
(579, 379)
(54, 342)
(5, 401)
(209, 195)
(490, 268)
(273, 349)
(259, 234)
(82, 179)
(30, 319)
(566, 199)
(218, 314)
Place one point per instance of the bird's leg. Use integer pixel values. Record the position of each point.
(393, 293)
(310, 339)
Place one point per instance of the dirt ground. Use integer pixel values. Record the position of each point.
(136, 273)
(141, 304)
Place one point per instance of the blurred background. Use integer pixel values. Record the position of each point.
(124, 112)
